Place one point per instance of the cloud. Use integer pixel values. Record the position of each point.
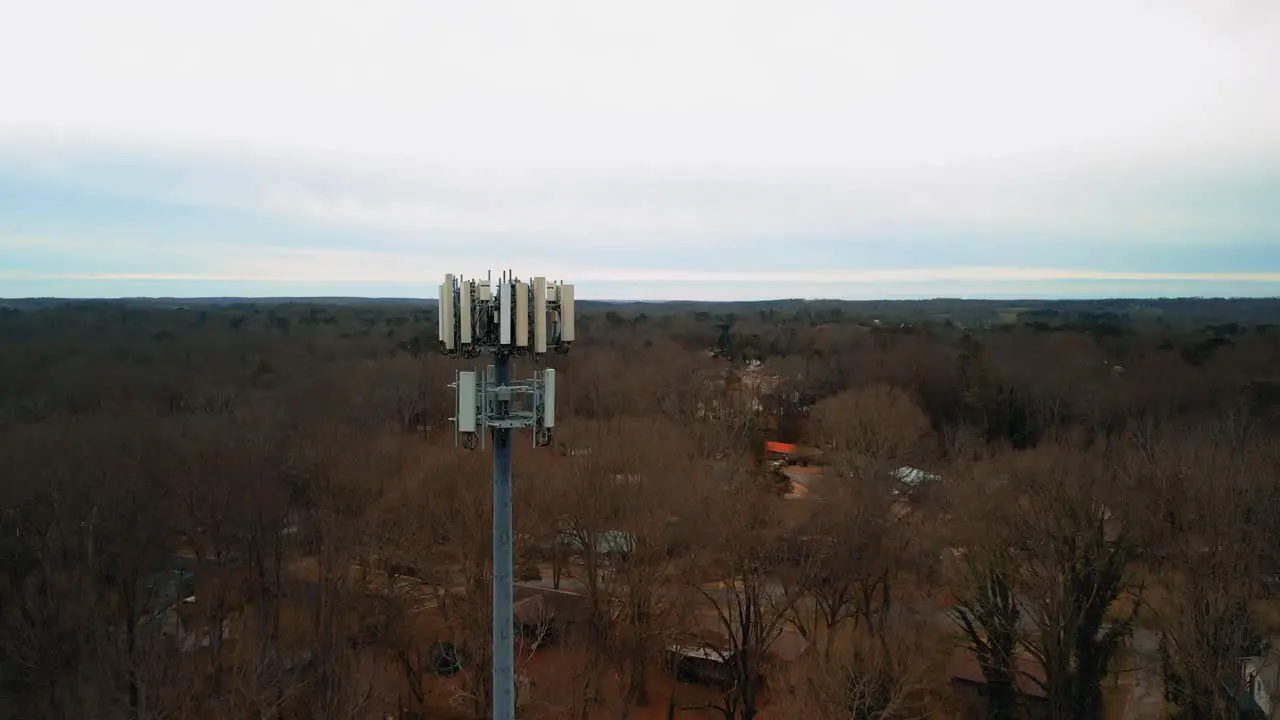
(833, 145)
(290, 266)
(833, 234)
(631, 211)
(528, 210)
(662, 84)
(79, 267)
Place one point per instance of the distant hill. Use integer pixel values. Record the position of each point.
(1182, 310)
(169, 302)
(172, 302)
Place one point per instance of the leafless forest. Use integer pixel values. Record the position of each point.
(1064, 511)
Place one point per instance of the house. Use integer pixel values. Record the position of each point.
(704, 654)
(174, 584)
(174, 613)
(548, 613)
(1255, 697)
(790, 454)
(699, 660)
(535, 617)
(912, 480)
(787, 646)
(964, 671)
(609, 544)
(184, 626)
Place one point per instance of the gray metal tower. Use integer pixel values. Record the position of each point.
(503, 320)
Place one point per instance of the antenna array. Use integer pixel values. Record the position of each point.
(510, 317)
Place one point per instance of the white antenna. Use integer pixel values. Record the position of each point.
(448, 322)
(539, 314)
(465, 420)
(566, 313)
(522, 314)
(504, 312)
(464, 314)
(549, 398)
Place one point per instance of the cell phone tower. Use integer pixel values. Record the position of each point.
(504, 319)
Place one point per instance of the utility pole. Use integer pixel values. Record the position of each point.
(507, 319)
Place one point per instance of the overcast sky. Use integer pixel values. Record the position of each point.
(649, 150)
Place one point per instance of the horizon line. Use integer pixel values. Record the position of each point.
(433, 301)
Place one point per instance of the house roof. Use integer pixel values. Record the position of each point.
(915, 477)
(778, 447)
(964, 666)
(532, 610)
(699, 652)
(708, 632)
(608, 541)
(536, 605)
(782, 448)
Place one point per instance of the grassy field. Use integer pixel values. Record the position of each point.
(1009, 315)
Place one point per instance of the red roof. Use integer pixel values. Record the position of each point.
(781, 448)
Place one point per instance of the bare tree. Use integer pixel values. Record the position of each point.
(1079, 559)
(461, 569)
(1059, 552)
(746, 601)
(1220, 490)
(343, 471)
(90, 525)
(879, 422)
(865, 678)
(850, 551)
(988, 614)
(649, 458)
(259, 682)
(214, 493)
(402, 538)
(590, 497)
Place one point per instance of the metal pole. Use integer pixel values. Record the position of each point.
(504, 685)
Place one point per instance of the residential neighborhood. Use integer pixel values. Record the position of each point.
(898, 520)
